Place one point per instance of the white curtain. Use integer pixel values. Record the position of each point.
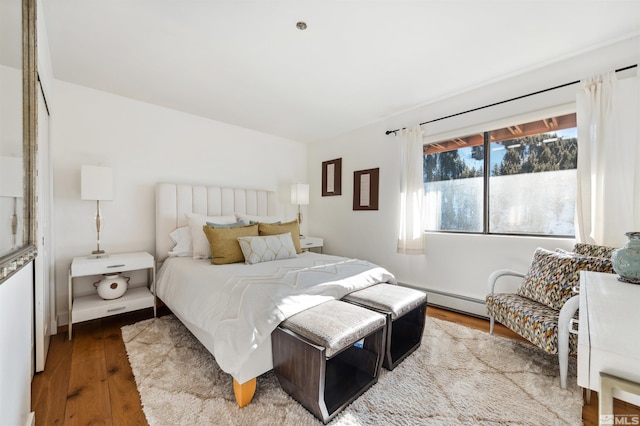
(410, 238)
(608, 181)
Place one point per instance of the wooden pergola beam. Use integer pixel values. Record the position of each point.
(511, 132)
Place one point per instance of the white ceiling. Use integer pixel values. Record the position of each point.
(245, 63)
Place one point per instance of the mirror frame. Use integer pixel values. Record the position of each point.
(18, 259)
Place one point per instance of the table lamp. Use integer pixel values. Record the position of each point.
(300, 196)
(97, 185)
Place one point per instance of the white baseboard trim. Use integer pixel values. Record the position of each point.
(63, 319)
(31, 419)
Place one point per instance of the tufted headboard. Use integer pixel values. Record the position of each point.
(174, 200)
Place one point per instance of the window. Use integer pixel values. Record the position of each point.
(519, 179)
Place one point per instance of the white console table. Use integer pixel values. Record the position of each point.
(609, 332)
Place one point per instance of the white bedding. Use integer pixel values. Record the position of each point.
(234, 308)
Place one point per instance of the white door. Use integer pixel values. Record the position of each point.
(44, 273)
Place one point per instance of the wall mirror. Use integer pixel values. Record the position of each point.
(17, 134)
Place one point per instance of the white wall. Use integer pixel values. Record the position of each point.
(146, 144)
(16, 345)
(453, 263)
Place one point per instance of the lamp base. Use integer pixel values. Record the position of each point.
(98, 254)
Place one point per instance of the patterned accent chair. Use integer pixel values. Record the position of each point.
(544, 304)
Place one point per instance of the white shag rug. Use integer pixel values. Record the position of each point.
(458, 376)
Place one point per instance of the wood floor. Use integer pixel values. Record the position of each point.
(88, 381)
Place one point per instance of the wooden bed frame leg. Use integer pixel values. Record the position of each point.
(244, 392)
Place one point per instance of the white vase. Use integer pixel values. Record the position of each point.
(112, 286)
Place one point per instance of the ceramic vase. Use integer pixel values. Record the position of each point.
(626, 260)
(112, 286)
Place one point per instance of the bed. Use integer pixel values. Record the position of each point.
(233, 308)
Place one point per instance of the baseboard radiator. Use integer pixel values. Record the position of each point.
(453, 302)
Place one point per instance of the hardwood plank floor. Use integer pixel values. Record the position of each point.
(88, 381)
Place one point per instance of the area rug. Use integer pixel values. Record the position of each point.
(459, 376)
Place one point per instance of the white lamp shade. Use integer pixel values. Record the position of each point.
(300, 194)
(96, 183)
(11, 175)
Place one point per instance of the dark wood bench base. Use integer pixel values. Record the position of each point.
(326, 386)
(404, 336)
(405, 310)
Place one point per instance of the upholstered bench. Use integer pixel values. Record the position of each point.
(327, 356)
(405, 309)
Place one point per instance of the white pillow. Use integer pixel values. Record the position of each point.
(182, 239)
(248, 219)
(267, 248)
(198, 237)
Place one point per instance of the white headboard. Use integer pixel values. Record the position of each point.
(174, 200)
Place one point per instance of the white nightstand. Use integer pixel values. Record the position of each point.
(307, 243)
(85, 308)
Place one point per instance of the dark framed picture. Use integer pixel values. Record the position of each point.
(332, 177)
(365, 189)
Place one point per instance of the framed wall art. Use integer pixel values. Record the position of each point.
(365, 189)
(332, 177)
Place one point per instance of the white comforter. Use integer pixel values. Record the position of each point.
(240, 305)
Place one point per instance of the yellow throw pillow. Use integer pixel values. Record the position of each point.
(223, 242)
(282, 228)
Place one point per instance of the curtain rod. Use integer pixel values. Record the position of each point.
(388, 132)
